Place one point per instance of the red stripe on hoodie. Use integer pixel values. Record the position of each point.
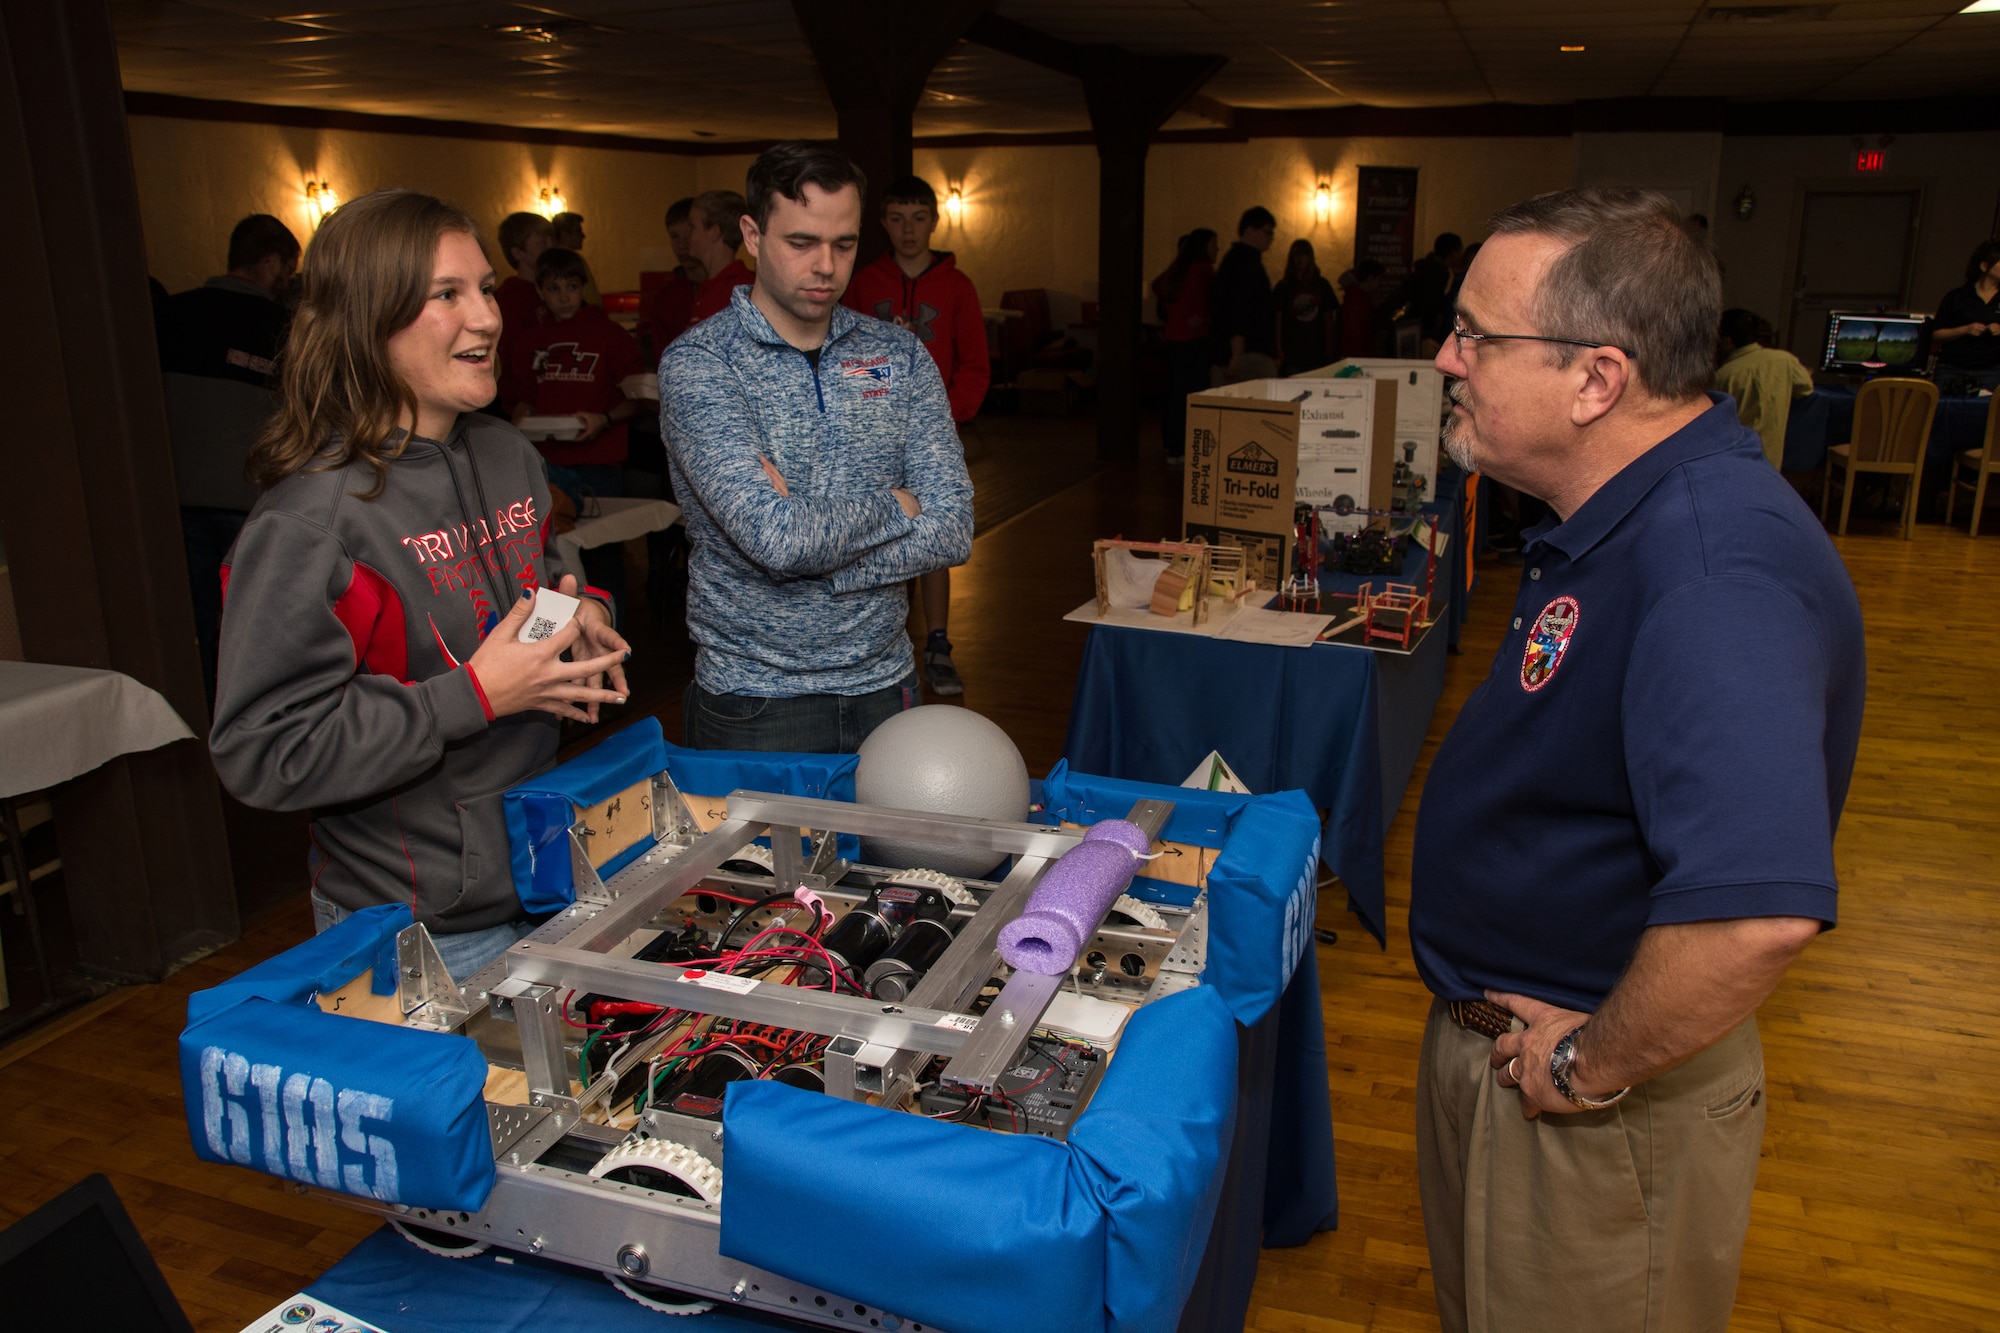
(373, 616)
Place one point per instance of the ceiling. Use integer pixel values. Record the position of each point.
(742, 71)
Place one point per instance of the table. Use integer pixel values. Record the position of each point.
(1342, 724)
(616, 520)
(57, 723)
(1826, 418)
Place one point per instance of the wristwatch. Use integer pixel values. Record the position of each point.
(1563, 1059)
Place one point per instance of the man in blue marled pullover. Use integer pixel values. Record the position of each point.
(814, 454)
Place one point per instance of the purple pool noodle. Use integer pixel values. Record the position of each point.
(1123, 832)
(1072, 899)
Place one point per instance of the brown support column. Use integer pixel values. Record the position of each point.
(875, 56)
(87, 500)
(1130, 97)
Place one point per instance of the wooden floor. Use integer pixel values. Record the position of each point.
(1878, 1204)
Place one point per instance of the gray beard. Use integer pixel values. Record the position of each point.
(1458, 445)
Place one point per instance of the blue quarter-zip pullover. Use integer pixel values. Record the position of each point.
(805, 594)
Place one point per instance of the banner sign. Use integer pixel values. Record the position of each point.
(1385, 220)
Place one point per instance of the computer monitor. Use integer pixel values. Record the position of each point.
(1863, 343)
(78, 1262)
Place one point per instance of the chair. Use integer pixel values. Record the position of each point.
(1982, 462)
(1892, 422)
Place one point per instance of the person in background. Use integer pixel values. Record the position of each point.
(1355, 324)
(1183, 293)
(523, 237)
(664, 311)
(1423, 294)
(715, 233)
(1763, 380)
(1246, 322)
(218, 346)
(1967, 330)
(1307, 308)
(567, 232)
(922, 290)
(814, 457)
(372, 670)
(572, 364)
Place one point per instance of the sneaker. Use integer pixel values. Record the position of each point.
(940, 674)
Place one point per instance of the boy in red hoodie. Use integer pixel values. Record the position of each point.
(571, 364)
(922, 290)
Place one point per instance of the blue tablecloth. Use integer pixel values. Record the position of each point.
(1826, 418)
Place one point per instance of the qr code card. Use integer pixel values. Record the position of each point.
(552, 611)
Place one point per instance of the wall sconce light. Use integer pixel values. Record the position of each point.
(551, 202)
(321, 200)
(954, 205)
(1746, 204)
(1323, 201)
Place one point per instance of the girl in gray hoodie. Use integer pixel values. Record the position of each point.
(371, 669)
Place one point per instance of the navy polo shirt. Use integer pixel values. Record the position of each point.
(1666, 734)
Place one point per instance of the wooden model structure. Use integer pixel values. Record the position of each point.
(1211, 571)
(1396, 613)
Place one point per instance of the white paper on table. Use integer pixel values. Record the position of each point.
(1220, 613)
(305, 1313)
(642, 385)
(1283, 629)
(1420, 538)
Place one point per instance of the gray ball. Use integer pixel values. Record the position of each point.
(947, 760)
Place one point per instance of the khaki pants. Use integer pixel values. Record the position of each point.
(1629, 1220)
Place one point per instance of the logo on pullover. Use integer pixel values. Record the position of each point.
(875, 371)
(454, 556)
(564, 363)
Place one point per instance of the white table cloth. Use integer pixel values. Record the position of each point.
(57, 722)
(616, 520)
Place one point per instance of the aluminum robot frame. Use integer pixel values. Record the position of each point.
(556, 1149)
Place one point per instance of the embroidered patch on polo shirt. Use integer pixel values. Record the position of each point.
(1548, 640)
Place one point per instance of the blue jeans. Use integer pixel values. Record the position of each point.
(802, 724)
(463, 954)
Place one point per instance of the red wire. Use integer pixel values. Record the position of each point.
(563, 1009)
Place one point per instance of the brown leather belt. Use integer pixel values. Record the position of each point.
(1488, 1020)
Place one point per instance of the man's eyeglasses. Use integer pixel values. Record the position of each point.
(1462, 335)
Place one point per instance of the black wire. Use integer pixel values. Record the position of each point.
(745, 912)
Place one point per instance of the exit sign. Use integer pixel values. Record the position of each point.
(1871, 159)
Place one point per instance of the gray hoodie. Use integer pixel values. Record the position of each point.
(341, 690)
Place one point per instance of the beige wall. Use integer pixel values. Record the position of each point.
(1030, 216)
(1959, 174)
(198, 178)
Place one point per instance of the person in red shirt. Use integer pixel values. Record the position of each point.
(523, 237)
(1182, 291)
(1355, 324)
(922, 290)
(571, 364)
(714, 237)
(668, 308)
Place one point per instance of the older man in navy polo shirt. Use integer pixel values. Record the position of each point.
(1628, 835)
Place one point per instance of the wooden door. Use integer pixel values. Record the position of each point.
(1854, 252)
